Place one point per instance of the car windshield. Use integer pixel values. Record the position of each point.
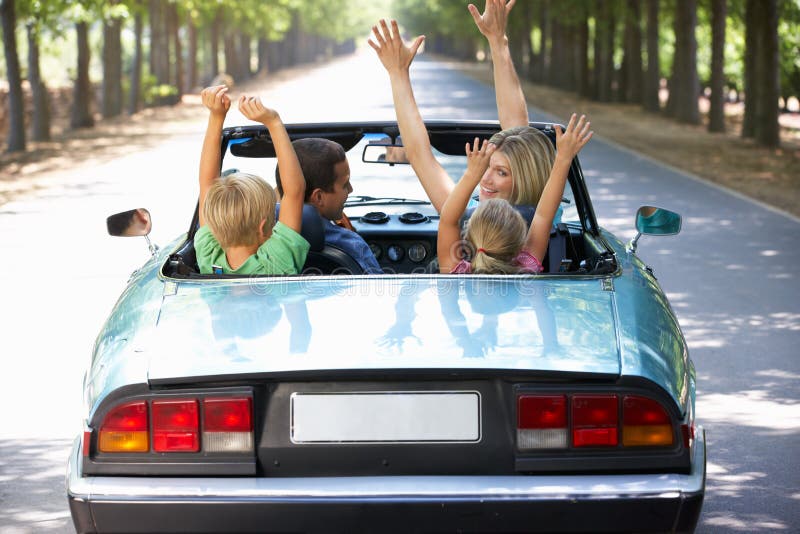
(380, 180)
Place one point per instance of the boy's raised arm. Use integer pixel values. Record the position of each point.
(292, 180)
(218, 102)
(396, 57)
(449, 230)
(512, 108)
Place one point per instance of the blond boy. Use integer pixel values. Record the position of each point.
(238, 233)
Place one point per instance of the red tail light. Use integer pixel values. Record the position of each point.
(228, 415)
(228, 424)
(594, 420)
(125, 429)
(225, 425)
(175, 426)
(542, 422)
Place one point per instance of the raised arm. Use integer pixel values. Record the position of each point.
(449, 230)
(568, 144)
(292, 180)
(512, 108)
(218, 102)
(396, 57)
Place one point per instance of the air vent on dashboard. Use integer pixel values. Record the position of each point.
(375, 217)
(413, 217)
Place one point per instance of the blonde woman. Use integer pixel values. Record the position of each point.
(524, 156)
(496, 240)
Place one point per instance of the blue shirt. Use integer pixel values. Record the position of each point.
(354, 245)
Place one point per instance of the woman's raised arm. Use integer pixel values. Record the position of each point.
(396, 57)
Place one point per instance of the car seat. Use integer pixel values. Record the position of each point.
(324, 258)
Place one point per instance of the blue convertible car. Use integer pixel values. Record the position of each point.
(410, 401)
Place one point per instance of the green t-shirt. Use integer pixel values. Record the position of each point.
(283, 253)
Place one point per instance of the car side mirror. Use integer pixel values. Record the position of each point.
(651, 220)
(132, 223)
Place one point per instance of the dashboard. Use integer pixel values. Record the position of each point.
(402, 242)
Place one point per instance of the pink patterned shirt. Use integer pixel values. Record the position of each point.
(526, 262)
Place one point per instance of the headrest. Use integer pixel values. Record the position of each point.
(524, 210)
(313, 229)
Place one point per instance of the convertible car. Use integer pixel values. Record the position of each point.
(410, 401)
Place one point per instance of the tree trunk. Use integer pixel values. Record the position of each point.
(16, 104)
(263, 56)
(633, 53)
(231, 57)
(173, 26)
(558, 73)
(41, 100)
(652, 81)
(214, 41)
(82, 92)
(245, 57)
(135, 97)
(684, 87)
(526, 43)
(191, 56)
(159, 42)
(604, 53)
(583, 80)
(767, 129)
(751, 54)
(112, 68)
(716, 112)
(539, 68)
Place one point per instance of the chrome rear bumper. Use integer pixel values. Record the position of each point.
(640, 502)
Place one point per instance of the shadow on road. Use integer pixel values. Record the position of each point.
(32, 495)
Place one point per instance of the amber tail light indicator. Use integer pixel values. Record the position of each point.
(645, 423)
(125, 429)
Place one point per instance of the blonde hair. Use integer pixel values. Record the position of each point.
(495, 233)
(235, 206)
(530, 155)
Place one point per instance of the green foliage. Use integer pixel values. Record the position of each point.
(155, 94)
(789, 42)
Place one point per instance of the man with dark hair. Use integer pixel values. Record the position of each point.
(327, 175)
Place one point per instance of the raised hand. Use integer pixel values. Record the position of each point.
(573, 138)
(492, 23)
(394, 54)
(478, 156)
(252, 108)
(216, 99)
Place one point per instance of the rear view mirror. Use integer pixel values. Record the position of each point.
(384, 153)
(657, 221)
(131, 223)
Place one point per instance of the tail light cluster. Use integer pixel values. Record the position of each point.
(591, 420)
(210, 424)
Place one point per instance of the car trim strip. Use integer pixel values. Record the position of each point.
(388, 488)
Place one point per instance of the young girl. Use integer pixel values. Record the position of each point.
(496, 239)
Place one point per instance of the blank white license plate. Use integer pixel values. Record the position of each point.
(393, 417)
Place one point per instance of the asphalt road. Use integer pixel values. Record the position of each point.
(730, 275)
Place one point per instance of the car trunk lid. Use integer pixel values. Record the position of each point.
(310, 325)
